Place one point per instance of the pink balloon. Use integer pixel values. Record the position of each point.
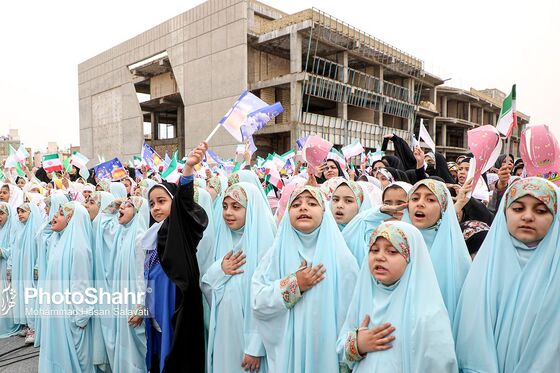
(540, 153)
(315, 150)
(482, 142)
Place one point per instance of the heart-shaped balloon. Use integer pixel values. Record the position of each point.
(540, 153)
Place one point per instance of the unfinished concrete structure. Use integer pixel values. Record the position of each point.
(172, 84)
(460, 110)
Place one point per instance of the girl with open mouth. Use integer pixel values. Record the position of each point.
(302, 288)
(431, 210)
(381, 332)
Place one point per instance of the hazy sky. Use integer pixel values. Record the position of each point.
(480, 44)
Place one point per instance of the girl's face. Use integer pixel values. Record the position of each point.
(386, 264)
(21, 183)
(424, 208)
(92, 208)
(453, 174)
(383, 180)
(463, 172)
(344, 205)
(23, 215)
(528, 220)
(233, 213)
(331, 171)
(3, 218)
(60, 222)
(86, 194)
(127, 185)
(138, 192)
(306, 214)
(519, 171)
(126, 212)
(160, 204)
(5, 194)
(394, 197)
(98, 188)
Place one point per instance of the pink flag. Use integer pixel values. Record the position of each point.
(541, 153)
(315, 151)
(485, 146)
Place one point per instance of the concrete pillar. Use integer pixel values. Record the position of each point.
(342, 107)
(444, 107)
(381, 82)
(469, 112)
(444, 134)
(482, 116)
(180, 130)
(295, 87)
(409, 84)
(433, 96)
(155, 125)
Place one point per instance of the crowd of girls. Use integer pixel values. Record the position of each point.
(388, 267)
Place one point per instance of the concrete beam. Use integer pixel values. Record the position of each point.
(279, 80)
(284, 31)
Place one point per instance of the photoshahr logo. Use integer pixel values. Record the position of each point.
(7, 300)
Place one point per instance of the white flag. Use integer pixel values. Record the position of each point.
(413, 142)
(424, 135)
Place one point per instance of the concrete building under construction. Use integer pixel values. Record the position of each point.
(170, 85)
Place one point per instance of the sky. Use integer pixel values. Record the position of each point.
(480, 44)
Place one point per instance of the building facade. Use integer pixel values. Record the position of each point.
(172, 84)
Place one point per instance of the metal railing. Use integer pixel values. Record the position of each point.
(342, 132)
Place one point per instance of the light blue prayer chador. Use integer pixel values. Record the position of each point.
(43, 238)
(232, 330)
(7, 242)
(104, 228)
(300, 331)
(66, 345)
(362, 198)
(118, 190)
(508, 315)
(414, 307)
(128, 276)
(250, 177)
(219, 183)
(24, 257)
(446, 245)
(358, 232)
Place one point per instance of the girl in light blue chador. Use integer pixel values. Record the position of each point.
(431, 210)
(347, 199)
(302, 288)
(397, 321)
(244, 233)
(8, 221)
(66, 344)
(43, 237)
(24, 276)
(250, 177)
(127, 256)
(104, 228)
(507, 317)
(217, 186)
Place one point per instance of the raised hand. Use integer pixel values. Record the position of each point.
(195, 157)
(232, 262)
(375, 339)
(419, 156)
(308, 276)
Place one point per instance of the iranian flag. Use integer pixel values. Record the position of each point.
(352, 150)
(51, 162)
(508, 115)
(272, 176)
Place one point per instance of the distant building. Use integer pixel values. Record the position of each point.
(5, 141)
(172, 84)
